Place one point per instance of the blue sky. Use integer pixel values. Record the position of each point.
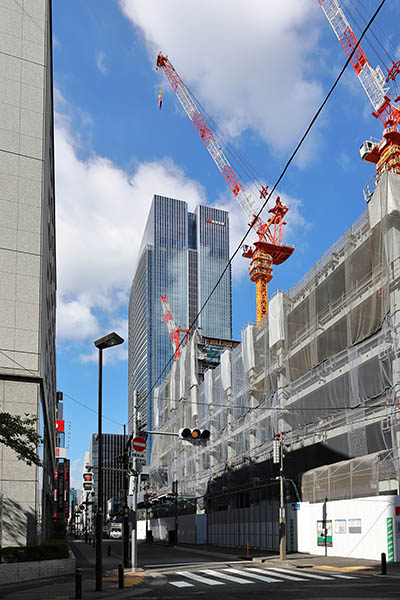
(261, 69)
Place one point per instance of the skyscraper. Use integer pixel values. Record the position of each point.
(182, 256)
(27, 263)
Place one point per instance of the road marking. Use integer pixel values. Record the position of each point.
(302, 574)
(225, 576)
(344, 569)
(254, 576)
(342, 576)
(181, 584)
(284, 576)
(199, 578)
(178, 564)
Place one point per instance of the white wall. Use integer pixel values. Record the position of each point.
(368, 544)
(192, 529)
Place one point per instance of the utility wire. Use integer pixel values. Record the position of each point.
(51, 386)
(288, 163)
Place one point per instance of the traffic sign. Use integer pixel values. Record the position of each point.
(139, 444)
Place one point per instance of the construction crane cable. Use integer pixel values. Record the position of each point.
(238, 159)
(283, 172)
(382, 31)
(369, 42)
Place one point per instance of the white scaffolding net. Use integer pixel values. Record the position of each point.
(323, 368)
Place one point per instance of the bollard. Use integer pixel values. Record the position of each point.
(78, 583)
(383, 563)
(108, 550)
(120, 576)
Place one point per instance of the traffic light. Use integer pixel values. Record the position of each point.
(88, 482)
(276, 450)
(194, 435)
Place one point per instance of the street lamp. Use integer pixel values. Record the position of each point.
(112, 339)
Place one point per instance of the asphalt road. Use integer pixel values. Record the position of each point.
(186, 574)
(182, 574)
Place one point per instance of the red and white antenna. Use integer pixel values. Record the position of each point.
(174, 331)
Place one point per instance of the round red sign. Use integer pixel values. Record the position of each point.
(139, 444)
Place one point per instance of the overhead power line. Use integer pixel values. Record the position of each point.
(283, 172)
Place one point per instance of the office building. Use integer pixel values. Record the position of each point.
(113, 467)
(27, 263)
(182, 256)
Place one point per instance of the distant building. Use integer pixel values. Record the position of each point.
(27, 263)
(113, 467)
(182, 256)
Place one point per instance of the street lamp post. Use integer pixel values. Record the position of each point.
(112, 339)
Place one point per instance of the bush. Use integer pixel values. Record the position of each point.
(48, 550)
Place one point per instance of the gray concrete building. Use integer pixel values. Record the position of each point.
(27, 262)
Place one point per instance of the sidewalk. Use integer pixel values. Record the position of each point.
(63, 588)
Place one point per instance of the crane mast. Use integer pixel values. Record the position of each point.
(385, 154)
(268, 249)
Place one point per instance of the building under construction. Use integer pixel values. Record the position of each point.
(323, 369)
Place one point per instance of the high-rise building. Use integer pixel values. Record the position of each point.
(113, 467)
(27, 263)
(182, 256)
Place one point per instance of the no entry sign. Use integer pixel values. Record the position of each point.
(139, 444)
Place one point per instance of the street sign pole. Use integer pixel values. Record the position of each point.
(282, 508)
(135, 474)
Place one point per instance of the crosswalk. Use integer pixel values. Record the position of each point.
(247, 576)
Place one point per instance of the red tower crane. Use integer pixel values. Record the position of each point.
(268, 250)
(386, 153)
(174, 331)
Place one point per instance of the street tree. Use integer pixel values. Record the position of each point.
(20, 434)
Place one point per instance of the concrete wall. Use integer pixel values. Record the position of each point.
(360, 527)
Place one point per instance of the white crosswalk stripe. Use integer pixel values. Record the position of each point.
(225, 576)
(247, 574)
(280, 574)
(254, 576)
(302, 574)
(199, 578)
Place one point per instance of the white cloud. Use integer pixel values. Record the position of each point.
(101, 63)
(76, 470)
(101, 214)
(247, 62)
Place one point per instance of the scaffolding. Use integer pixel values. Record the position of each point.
(323, 369)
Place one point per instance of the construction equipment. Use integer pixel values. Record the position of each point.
(385, 154)
(174, 331)
(268, 250)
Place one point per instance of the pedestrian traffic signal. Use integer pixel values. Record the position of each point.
(88, 482)
(276, 450)
(194, 435)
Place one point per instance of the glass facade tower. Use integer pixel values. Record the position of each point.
(182, 256)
